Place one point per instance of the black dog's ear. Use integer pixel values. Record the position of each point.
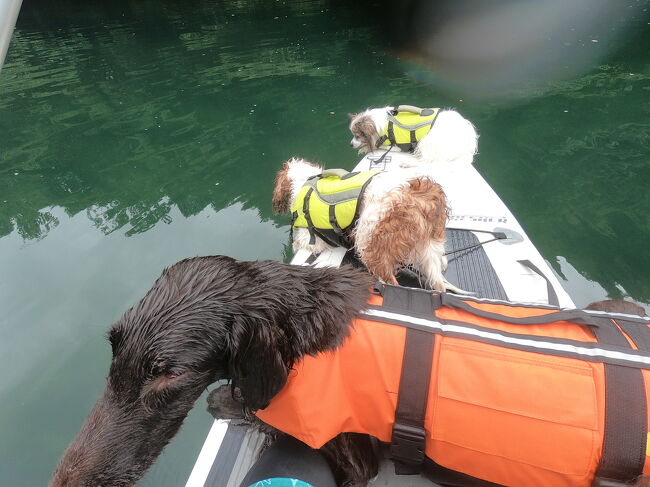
(290, 311)
(256, 366)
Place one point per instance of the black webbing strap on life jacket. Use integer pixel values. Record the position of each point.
(310, 223)
(624, 443)
(390, 132)
(390, 135)
(409, 436)
(332, 237)
(414, 140)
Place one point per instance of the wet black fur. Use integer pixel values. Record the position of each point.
(205, 319)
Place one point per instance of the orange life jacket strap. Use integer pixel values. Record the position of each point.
(624, 443)
(409, 436)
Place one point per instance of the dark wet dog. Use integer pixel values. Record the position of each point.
(208, 319)
(205, 319)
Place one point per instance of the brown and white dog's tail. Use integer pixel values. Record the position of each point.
(288, 181)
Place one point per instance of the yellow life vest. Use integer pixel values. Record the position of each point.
(328, 203)
(407, 125)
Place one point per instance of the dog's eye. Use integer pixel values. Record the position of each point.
(174, 374)
(165, 381)
(160, 369)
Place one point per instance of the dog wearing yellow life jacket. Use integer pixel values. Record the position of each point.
(431, 134)
(392, 220)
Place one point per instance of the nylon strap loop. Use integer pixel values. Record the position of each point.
(624, 442)
(310, 223)
(573, 315)
(391, 133)
(409, 436)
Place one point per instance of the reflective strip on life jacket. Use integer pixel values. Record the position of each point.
(565, 348)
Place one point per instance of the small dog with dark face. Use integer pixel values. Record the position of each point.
(451, 138)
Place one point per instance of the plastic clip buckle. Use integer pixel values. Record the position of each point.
(407, 445)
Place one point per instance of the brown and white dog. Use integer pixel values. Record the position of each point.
(452, 138)
(401, 222)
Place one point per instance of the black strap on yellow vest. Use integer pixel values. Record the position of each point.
(409, 436)
(335, 237)
(390, 135)
(310, 223)
(624, 443)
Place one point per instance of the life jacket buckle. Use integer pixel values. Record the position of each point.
(407, 448)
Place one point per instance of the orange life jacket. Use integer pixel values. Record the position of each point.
(518, 395)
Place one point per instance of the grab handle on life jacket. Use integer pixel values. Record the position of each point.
(425, 112)
(572, 315)
(444, 299)
(339, 173)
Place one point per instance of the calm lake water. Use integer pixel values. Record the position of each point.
(137, 133)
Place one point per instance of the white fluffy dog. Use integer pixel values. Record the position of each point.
(401, 222)
(452, 138)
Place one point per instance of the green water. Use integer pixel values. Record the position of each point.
(136, 133)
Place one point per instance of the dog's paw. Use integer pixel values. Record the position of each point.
(449, 287)
(404, 164)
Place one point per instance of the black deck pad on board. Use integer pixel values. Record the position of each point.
(469, 269)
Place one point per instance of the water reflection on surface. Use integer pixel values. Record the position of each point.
(137, 133)
(64, 292)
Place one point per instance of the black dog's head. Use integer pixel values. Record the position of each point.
(205, 319)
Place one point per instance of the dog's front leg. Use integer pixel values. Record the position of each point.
(302, 238)
(353, 459)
